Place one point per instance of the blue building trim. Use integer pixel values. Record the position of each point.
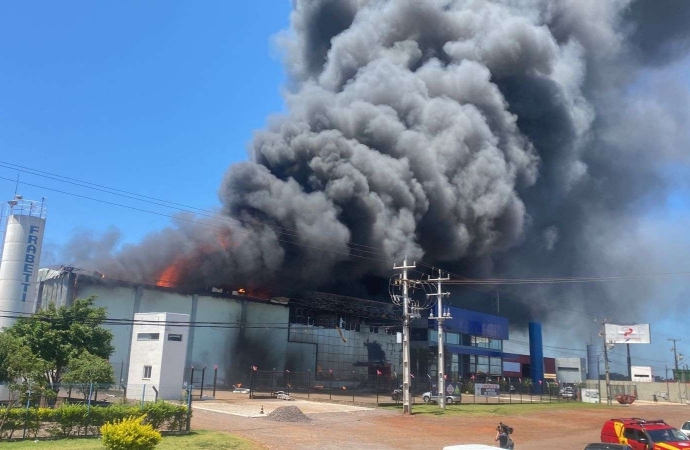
(475, 324)
(536, 352)
(467, 350)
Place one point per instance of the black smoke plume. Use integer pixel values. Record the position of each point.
(507, 137)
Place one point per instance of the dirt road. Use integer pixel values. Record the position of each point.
(537, 429)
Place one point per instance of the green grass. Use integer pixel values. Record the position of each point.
(195, 440)
(504, 409)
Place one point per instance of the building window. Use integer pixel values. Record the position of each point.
(147, 373)
(348, 323)
(482, 364)
(302, 316)
(478, 341)
(454, 364)
(175, 337)
(495, 366)
(433, 336)
(452, 338)
(148, 336)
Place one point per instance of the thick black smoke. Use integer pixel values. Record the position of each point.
(507, 137)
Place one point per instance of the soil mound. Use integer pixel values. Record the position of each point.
(287, 414)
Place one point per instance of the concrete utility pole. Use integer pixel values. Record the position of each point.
(406, 336)
(599, 377)
(675, 355)
(441, 316)
(606, 363)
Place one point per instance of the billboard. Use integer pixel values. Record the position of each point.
(627, 334)
(486, 390)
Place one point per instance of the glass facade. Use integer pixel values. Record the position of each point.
(465, 339)
(473, 343)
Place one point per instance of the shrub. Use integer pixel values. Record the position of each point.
(69, 420)
(130, 434)
(74, 420)
(15, 419)
(10, 421)
(165, 415)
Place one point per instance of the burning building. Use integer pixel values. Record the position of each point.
(235, 330)
(314, 331)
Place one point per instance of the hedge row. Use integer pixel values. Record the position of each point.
(78, 420)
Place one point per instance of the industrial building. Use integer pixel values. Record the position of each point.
(315, 331)
(234, 331)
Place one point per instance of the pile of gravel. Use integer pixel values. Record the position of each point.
(287, 414)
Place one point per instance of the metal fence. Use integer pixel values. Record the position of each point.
(368, 389)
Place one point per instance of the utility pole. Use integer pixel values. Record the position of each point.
(599, 377)
(441, 316)
(406, 336)
(675, 355)
(629, 363)
(606, 362)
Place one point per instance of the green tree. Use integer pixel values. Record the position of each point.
(57, 334)
(17, 362)
(22, 372)
(527, 382)
(84, 368)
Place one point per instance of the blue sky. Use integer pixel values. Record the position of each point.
(155, 97)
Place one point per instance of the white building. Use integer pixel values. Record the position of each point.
(642, 374)
(571, 370)
(157, 356)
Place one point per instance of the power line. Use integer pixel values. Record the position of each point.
(519, 281)
(170, 204)
(461, 280)
(239, 230)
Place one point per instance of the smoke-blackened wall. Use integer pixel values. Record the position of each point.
(512, 137)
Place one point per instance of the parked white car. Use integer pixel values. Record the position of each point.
(567, 392)
(433, 397)
(685, 428)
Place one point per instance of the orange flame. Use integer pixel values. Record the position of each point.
(172, 274)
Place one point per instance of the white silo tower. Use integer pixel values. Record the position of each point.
(25, 222)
